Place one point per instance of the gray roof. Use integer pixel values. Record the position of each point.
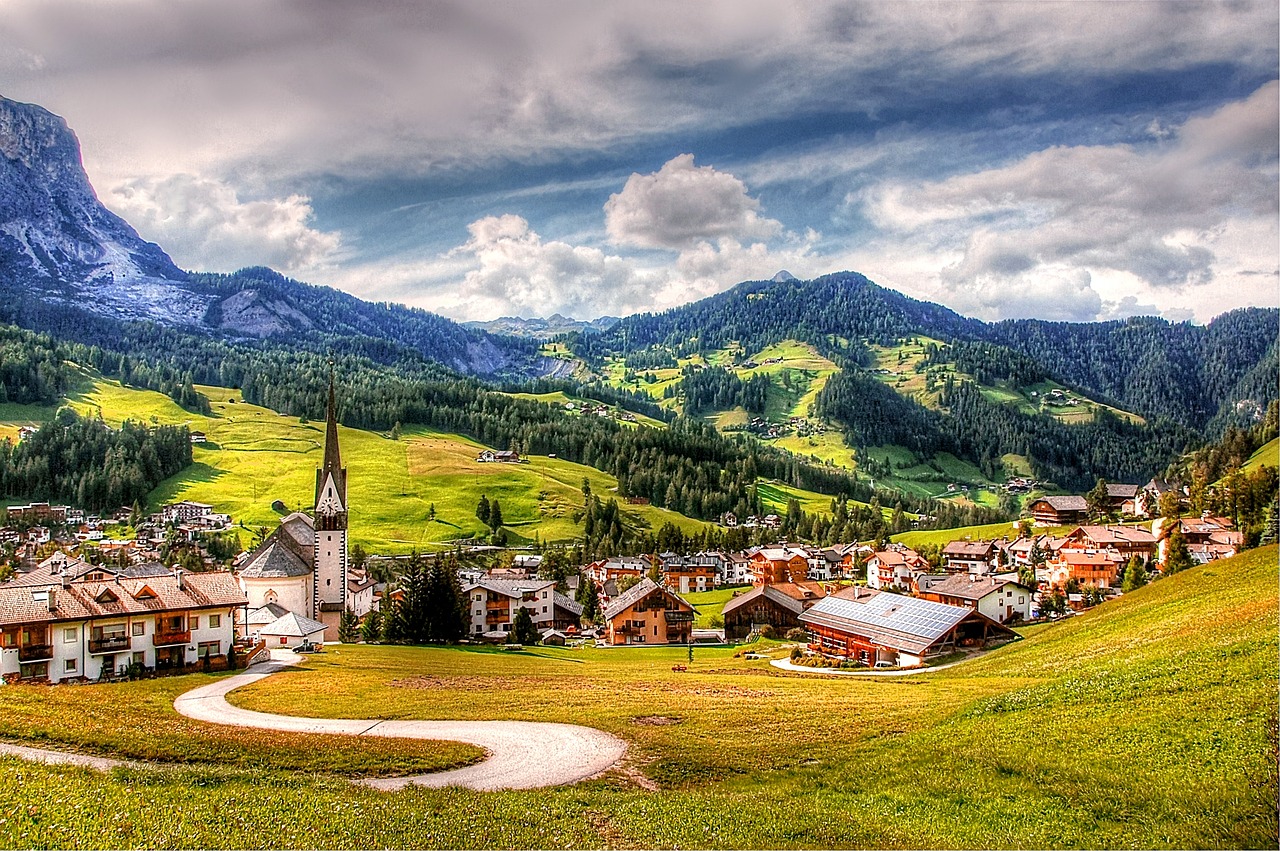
(1065, 503)
(1116, 490)
(567, 603)
(964, 586)
(638, 592)
(267, 614)
(293, 625)
(511, 587)
(892, 620)
(275, 560)
(768, 592)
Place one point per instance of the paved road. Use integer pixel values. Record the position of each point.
(522, 754)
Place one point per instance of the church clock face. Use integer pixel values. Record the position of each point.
(328, 502)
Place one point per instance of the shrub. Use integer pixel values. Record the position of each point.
(799, 633)
(767, 631)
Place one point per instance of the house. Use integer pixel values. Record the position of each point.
(779, 564)
(26, 431)
(1059, 510)
(552, 638)
(778, 605)
(492, 604)
(895, 566)
(684, 576)
(69, 620)
(566, 613)
(1128, 541)
(507, 457)
(198, 437)
(1208, 538)
(647, 613)
(1002, 600)
(37, 512)
(291, 630)
(1099, 569)
(1147, 499)
(1122, 498)
(889, 629)
(969, 556)
(185, 511)
(361, 588)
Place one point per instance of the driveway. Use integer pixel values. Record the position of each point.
(522, 754)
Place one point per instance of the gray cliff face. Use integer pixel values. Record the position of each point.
(57, 238)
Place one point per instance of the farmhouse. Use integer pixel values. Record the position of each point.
(506, 457)
(71, 620)
(1059, 510)
(1002, 600)
(647, 613)
(777, 605)
(881, 628)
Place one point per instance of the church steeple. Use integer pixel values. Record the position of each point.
(331, 478)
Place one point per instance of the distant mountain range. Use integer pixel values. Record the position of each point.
(71, 267)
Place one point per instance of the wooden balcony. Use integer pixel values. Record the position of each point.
(679, 616)
(162, 639)
(109, 644)
(35, 652)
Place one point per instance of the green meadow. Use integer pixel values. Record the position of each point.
(255, 456)
(1147, 722)
(1268, 455)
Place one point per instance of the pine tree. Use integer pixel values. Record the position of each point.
(495, 515)
(1135, 575)
(482, 509)
(348, 627)
(1177, 557)
(522, 629)
(371, 629)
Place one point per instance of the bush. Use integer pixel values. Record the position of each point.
(767, 631)
(796, 653)
(798, 634)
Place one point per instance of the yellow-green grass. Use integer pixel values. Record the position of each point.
(829, 448)
(710, 603)
(1268, 455)
(559, 399)
(1146, 722)
(987, 532)
(255, 456)
(136, 720)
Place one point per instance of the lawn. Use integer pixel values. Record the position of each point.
(1147, 722)
(711, 603)
(1268, 455)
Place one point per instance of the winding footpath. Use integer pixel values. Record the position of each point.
(521, 754)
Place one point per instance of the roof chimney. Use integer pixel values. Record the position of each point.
(53, 599)
(65, 577)
(177, 574)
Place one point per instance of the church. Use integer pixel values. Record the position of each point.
(301, 568)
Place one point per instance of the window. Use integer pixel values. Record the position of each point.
(139, 628)
(70, 635)
(284, 640)
(544, 596)
(1022, 601)
(209, 648)
(193, 622)
(70, 666)
(139, 658)
(544, 610)
(215, 621)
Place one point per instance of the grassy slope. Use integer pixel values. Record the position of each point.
(1147, 722)
(255, 456)
(1268, 455)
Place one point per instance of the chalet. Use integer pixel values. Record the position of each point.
(890, 629)
(26, 431)
(895, 566)
(492, 604)
(615, 568)
(1122, 498)
(1208, 538)
(69, 620)
(566, 613)
(1099, 569)
(1059, 510)
(969, 556)
(779, 564)
(778, 605)
(490, 456)
(198, 437)
(1128, 541)
(1147, 499)
(684, 576)
(647, 613)
(1002, 600)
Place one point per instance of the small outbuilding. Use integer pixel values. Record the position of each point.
(291, 630)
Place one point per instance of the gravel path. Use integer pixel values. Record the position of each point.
(521, 754)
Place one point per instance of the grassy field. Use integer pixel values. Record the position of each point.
(255, 456)
(711, 603)
(942, 537)
(1268, 455)
(1148, 722)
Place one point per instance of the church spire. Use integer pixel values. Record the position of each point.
(331, 478)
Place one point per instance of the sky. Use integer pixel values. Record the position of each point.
(1067, 161)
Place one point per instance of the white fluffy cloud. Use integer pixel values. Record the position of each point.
(1168, 217)
(682, 204)
(205, 226)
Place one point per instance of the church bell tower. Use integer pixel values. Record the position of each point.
(329, 578)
